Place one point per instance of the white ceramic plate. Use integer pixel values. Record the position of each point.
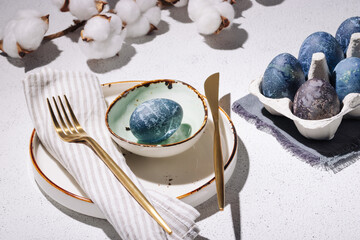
(187, 176)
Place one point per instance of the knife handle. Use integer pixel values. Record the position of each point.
(219, 168)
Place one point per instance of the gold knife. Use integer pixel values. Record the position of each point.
(211, 86)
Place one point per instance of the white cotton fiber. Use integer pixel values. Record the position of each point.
(101, 48)
(209, 21)
(27, 13)
(97, 28)
(196, 8)
(58, 3)
(181, 3)
(83, 9)
(146, 4)
(128, 11)
(153, 15)
(30, 32)
(9, 45)
(139, 28)
(226, 10)
(115, 23)
(9, 27)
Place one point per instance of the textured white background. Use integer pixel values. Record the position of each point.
(271, 195)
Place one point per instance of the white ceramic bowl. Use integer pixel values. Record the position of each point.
(323, 129)
(195, 116)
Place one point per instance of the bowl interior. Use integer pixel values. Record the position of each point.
(193, 105)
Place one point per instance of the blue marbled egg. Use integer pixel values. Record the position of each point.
(320, 42)
(345, 30)
(282, 77)
(346, 77)
(155, 120)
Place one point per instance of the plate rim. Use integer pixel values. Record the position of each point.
(85, 199)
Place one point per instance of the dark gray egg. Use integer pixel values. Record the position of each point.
(156, 120)
(316, 99)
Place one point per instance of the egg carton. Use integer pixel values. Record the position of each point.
(323, 129)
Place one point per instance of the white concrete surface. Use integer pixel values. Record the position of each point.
(272, 195)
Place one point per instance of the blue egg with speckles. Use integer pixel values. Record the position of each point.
(282, 77)
(155, 120)
(346, 77)
(320, 42)
(345, 30)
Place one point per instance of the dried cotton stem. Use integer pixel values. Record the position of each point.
(77, 24)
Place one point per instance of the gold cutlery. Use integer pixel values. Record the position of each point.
(73, 132)
(211, 86)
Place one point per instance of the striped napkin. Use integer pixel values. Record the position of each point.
(121, 210)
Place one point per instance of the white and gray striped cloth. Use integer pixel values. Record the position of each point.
(85, 95)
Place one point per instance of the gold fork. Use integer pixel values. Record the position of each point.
(73, 132)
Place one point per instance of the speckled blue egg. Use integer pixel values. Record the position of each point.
(320, 42)
(316, 99)
(346, 77)
(282, 77)
(155, 120)
(345, 30)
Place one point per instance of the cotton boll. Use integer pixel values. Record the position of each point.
(83, 9)
(10, 46)
(226, 10)
(153, 15)
(139, 28)
(181, 3)
(30, 32)
(97, 28)
(128, 11)
(102, 49)
(209, 21)
(105, 38)
(196, 8)
(146, 4)
(25, 33)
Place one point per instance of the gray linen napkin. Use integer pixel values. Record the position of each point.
(121, 210)
(335, 154)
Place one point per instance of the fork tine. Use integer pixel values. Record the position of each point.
(55, 122)
(64, 126)
(74, 119)
(70, 125)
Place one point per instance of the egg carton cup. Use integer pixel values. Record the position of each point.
(323, 129)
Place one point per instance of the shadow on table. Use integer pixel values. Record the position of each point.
(232, 193)
(92, 221)
(45, 54)
(179, 14)
(268, 3)
(241, 6)
(116, 62)
(229, 39)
